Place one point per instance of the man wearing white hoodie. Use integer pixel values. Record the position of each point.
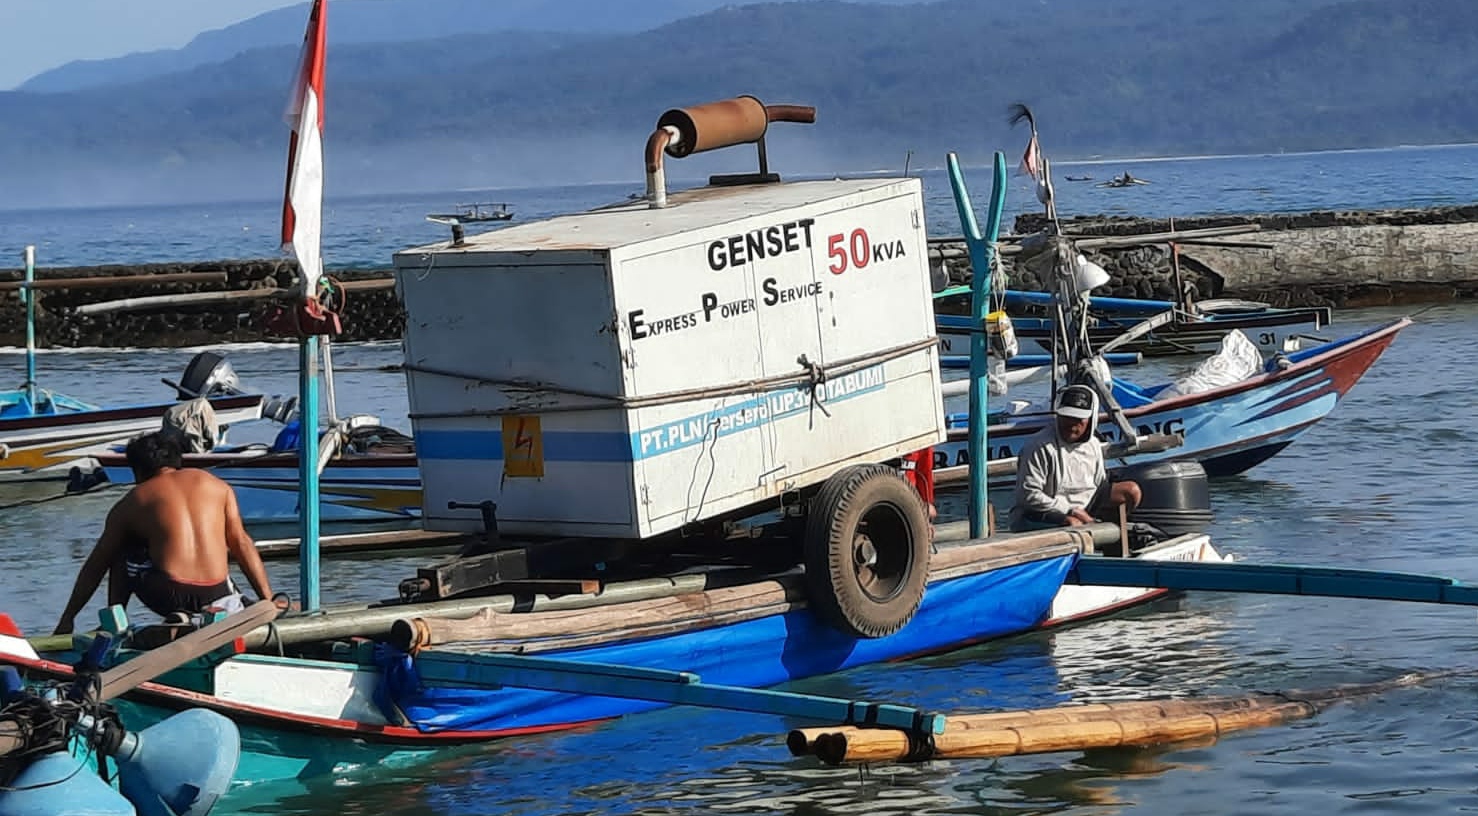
(1060, 477)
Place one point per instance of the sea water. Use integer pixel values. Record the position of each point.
(1385, 482)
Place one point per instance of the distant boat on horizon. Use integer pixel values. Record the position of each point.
(475, 212)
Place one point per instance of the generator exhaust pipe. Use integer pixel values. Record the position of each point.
(684, 131)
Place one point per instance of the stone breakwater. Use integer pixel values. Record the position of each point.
(1342, 259)
(367, 314)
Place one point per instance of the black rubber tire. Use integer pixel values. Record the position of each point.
(866, 551)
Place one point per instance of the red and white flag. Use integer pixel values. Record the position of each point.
(302, 207)
(1031, 160)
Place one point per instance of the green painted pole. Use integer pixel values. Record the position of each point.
(308, 555)
(30, 298)
(982, 246)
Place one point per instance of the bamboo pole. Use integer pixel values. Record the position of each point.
(366, 284)
(617, 620)
(103, 281)
(184, 299)
(365, 542)
(376, 622)
(948, 244)
(1079, 727)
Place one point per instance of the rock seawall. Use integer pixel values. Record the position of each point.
(372, 314)
(1344, 259)
(1341, 259)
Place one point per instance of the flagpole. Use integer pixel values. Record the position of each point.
(302, 223)
(308, 555)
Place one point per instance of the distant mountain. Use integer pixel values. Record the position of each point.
(356, 22)
(485, 108)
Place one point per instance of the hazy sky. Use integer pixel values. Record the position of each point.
(42, 34)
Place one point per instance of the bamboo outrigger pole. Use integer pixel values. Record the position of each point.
(1134, 723)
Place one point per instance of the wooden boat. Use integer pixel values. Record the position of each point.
(469, 213)
(47, 445)
(372, 478)
(601, 556)
(1240, 411)
(301, 717)
(1227, 429)
(45, 435)
(1200, 331)
(1125, 180)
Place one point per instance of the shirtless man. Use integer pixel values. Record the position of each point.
(169, 539)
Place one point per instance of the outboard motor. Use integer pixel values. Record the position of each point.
(208, 375)
(1176, 496)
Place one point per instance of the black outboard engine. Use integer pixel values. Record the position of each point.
(1176, 497)
(208, 375)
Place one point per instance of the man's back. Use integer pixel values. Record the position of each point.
(170, 540)
(183, 517)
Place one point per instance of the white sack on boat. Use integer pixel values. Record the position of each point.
(194, 423)
(1236, 360)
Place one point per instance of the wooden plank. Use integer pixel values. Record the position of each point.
(365, 542)
(151, 664)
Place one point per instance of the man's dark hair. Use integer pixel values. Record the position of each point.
(151, 453)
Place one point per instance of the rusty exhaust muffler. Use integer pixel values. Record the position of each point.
(684, 131)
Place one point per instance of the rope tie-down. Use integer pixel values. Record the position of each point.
(817, 376)
(812, 376)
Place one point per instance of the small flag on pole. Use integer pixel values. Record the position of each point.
(302, 206)
(1031, 160)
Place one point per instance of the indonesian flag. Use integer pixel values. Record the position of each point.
(1031, 160)
(302, 207)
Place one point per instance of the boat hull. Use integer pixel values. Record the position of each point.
(46, 447)
(1269, 331)
(301, 718)
(1228, 429)
(352, 488)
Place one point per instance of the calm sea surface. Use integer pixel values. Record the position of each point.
(1385, 482)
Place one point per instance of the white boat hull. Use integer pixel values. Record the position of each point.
(47, 447)
(351, 488)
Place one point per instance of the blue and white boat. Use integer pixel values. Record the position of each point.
(1228, 429)
(371, 478)
(1270, 328)
(44, 435)
(302, 717)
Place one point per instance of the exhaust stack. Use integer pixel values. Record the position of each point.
(684, 131)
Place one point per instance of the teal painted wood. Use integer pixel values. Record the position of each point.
(982, 246)
(1275, 579)
(308, 551)
(657, 685)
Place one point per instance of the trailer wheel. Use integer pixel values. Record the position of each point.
(867, 551)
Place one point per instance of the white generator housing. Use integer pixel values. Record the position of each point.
(629, 370)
